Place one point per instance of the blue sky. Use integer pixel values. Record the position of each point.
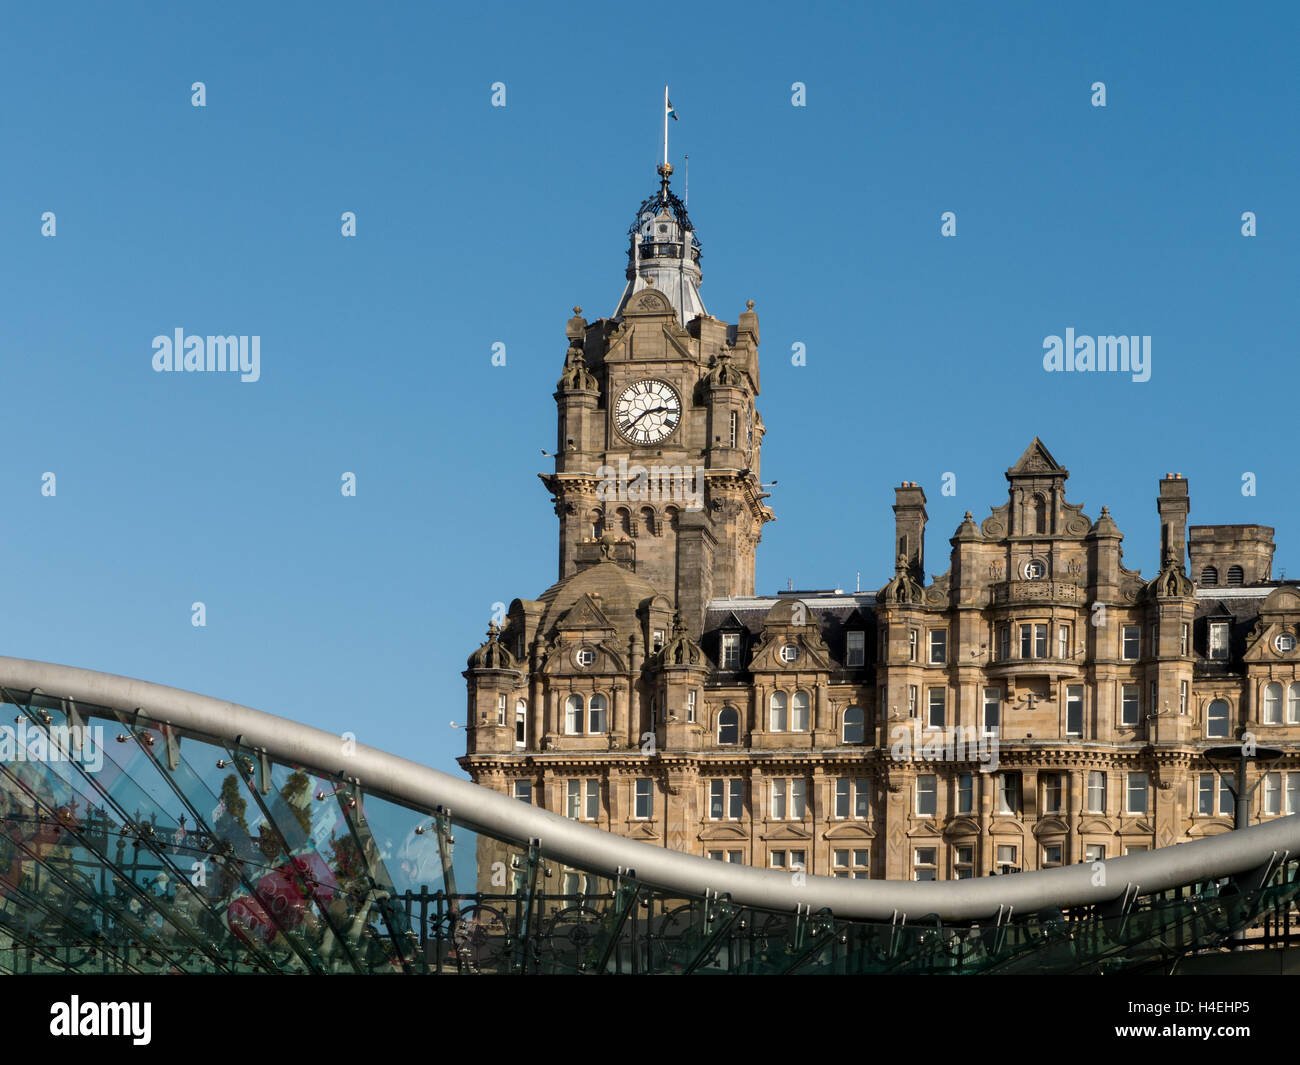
(479, 225)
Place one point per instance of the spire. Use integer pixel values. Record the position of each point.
(664, 252)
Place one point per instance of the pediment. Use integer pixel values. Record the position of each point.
(1051, 826)
(1096, 825)
(1284, 600)
(767, 656)
(786, 830)
(925, 827)
(850, 831)
(960, 827)
(585, 614)
(644, 830)
(723, 832)
(1007, 826)
(647, 303)
(1204, 827)
(1037, 461)
(1139, 826)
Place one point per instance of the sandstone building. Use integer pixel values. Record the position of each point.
(1035, 704)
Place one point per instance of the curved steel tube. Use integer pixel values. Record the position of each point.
(411, 784)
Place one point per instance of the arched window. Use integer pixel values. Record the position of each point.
(777, 722)
(596, 523)
(1040, 514)
(1272, 704)
(1293, 704)
(1209, 577)
(623, 520)
(799, 714)
(1216, 720)
(647, 521)
(573, 707)
(1236, 577)
(854, 725)
(596, 709)
(521, 723)
(670, 518)
(729, 725)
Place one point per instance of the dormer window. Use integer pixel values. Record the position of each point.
(1285, 643)
(1035, 569)
(585, 657)
(731, 650)
(1218, 640)
(789, 653)
(657, 640)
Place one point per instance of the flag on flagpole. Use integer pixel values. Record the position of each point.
(671, 113)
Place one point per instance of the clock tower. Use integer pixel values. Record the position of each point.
(658, 438)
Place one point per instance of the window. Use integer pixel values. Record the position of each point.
(1272, 794)
(1293, 793)
(799, 712)
(777, 721)
(1216, 720)
(1293, 704)
(728, 856)
(573, 707)
(854, 725)
(1154, 700)
(521, 724)
(856, 653)
(927, 795)
(1033, 641)
(1132, 645)
(992, 711)
(1209, 577)
(789, 653)
(524, 790)
(1040, 517)
(690, 706)
(937, 699)
(657, 640)
(645, 798)
(596, 714)
(1094, 852)
(1137, 793)
(1153, 640)
(850, 864)
(1272, 704)
(789, 798)
(1063, 641)
(578, 883)
(735, 428)
(1218, 640)
(1035, 569)
(963, 861)
(966, 793)
(938, 646)
(1004, 643)
(583, 799)
(1236, 576)
(1128, 705)
(852, 797)
(1182, 697)
(924, 863)
(1053, 786)
(1284, 642)
(1008, 793)
(912, 639)
(1136, 848)
(784, 859)
(731, 650)
(1185, 641)
(586, 657)
(501, 709)
(1008, 858)
(726, 799)
(911, 700)
(729, 725)
(1052, 855)
(1096, 791)
(1074, 709)
(1205, 789)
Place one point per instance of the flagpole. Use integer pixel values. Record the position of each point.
(665, 125)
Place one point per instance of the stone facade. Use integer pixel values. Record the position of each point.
(1036, 704)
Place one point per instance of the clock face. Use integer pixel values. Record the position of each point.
(648, 411)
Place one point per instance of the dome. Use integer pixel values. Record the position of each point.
(615, 589)
(664, 253)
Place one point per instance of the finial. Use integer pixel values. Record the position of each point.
(577, 310)
(969, 516)
(749, 304)
(1105, 512)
